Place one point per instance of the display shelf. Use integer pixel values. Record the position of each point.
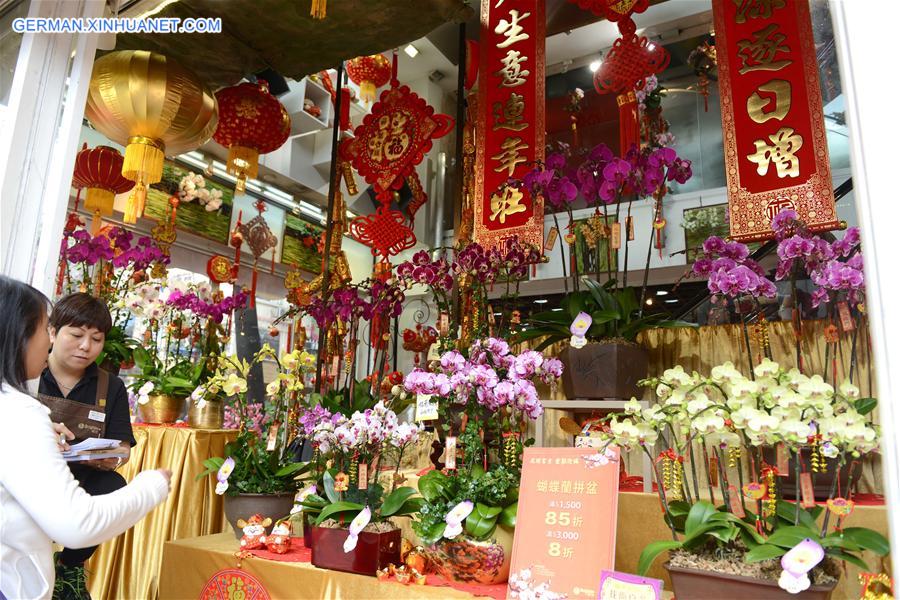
(584, 404)
(303, 123)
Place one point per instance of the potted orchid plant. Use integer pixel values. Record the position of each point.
(259, 473)
(353, 529)
(469, 509)
(109, 265)
(602, 359)
(184, 331)
(732, 517)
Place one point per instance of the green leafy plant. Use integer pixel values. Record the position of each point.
(615, 313)
(345, 506)
(256, 471)
(704, 525)
(118, 349)
(495, 495)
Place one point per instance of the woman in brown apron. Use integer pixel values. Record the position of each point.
(93, 403)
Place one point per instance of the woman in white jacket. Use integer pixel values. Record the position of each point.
(40, 501)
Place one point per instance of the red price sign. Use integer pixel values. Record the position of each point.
(510, 120)
(568, 504)
(776, 153)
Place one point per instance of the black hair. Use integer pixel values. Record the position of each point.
(81, 310)
(23, 309)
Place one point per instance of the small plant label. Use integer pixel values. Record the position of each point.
(624, 586)
(426, 408)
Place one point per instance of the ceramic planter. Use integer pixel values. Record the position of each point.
(162, 409)
(603, 370)
(467, 560)
(697, 584)
(373, 551)
(211, 416)
(244, 506)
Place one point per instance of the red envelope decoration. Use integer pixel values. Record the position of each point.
(840, 507)
(755, 491)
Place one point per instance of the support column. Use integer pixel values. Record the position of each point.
(860, 29)
(40, 140)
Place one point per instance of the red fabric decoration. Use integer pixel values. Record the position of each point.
(223, 584)
(393, 139)
(471, 63)
(219, 269)
(613, 10)
(385, 232)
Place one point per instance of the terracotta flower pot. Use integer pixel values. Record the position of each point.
(697, 584)
(603, 370)
(373, 551)
(162, 409)
(244, 506)
(211, 416)
(467, 560)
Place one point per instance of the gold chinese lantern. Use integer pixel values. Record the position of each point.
(153, 106)
(251, 122)
(369, 73)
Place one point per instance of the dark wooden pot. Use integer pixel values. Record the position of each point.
(696, 584)
(308, 524)
(821, 481)
(373, 551)
(603, 370)
(244, 506)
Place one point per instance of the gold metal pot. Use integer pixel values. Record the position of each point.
(211, 416)
(162, 409)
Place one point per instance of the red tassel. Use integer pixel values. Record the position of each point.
(629, 128)
(394, 81)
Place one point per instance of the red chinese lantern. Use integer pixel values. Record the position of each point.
(251, 122)
(100, 171)
(369, 73)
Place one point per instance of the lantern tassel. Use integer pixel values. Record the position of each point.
(134, 207)
(96, 222)
(317, 10)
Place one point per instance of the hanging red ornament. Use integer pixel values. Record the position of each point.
(100, 171)
(251, 122)
(219, 269)
(613, 10)
(471, 64)
(259, 237)
(369, 73)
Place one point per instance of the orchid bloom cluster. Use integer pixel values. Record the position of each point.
(114, 247)
(730, 270)
(727, 408)
(603, 178)
(203, 303)
(835, 267)
(491, 376)
(364, 432)
(193, 187)
(371, 298)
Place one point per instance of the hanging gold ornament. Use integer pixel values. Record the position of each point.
(153, 106)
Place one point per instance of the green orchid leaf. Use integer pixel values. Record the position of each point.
(698, 516)
(853, 560)
(507, 516)
(868, 539)
(764, 552)
(480, 527)
(487, 512)
(396, 500)
(328, 484)
(865, 405)
(337, 508)
(788, 537)
(410, 507)
(433, 485)
(651, 551)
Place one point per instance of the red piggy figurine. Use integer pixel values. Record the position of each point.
(254, 532)
(279, 541)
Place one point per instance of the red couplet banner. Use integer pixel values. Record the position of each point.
(776, 153)
(510, 127)
(566, 523)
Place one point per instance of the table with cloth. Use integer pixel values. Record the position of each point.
(128, 566)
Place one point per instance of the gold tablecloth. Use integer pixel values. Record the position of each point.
(188, 564)
(129, 565)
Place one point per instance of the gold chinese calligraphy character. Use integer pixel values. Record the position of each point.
(510, 114)
(753, 9)
(507, 201)
(510, 156)
(762, 109)
(511, 29)
(760, 53)
(782, 152)
(512, 72)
